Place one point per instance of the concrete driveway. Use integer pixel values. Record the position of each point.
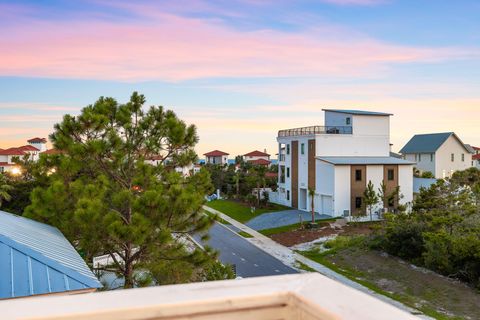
(282, 218)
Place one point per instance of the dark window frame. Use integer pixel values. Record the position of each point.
(358, 202)
(390, 174)
(358, 174)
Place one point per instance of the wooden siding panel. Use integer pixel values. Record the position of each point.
(311, 164)
(357, 188)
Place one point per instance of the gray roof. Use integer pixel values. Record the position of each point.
(419, 183)
(364, 160)
(470, 148)
(36, 258)
(428, 143)
(358, 112)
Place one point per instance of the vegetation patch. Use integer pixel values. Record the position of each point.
(431, 293)
(245, 234)
(240, 211)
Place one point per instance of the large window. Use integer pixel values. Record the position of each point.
(348, 121)
(358, 202)
(390, 175)
(358, 175)
(431, 157)
(302, 148)
(288, 194)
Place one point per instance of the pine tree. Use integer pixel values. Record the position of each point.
(370, 198)
(107, 199)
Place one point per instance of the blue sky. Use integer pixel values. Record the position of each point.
(242, 70)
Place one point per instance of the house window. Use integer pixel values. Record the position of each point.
(390, 175)
(452, 156)
(358, 175)
(288, 172)
(463, 157)
(302, 148)
(358, 202)
(288, 149)
(288, 194)
(431, 157)
(348, 121)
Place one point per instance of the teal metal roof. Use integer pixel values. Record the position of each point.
(358, 112)
(428, 143)
(36, 258)
(364, 160)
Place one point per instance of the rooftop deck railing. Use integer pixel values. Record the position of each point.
(304, 131)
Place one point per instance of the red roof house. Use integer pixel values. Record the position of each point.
(37, 140)
(216, 157)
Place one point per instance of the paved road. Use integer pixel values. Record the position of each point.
(282, 218)
(249, 260)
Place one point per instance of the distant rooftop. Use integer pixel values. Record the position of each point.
(428, 143)
(359, 112)
(364, 160)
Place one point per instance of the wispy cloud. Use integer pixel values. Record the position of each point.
(164, 46)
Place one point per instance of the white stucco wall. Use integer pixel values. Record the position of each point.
(342, 190)
(337, 145)
(443, 158)
(405, 181)
(424, 162)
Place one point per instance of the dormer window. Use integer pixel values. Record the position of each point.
(348, 121)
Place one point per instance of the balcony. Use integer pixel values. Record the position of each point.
(304, 296)
(305, 131)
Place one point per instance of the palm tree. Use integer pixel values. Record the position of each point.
(311, 193)
(236, 179)
(5, 188)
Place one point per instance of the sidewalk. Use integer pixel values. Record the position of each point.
(289, 257)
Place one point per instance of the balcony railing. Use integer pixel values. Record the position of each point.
(305, 131)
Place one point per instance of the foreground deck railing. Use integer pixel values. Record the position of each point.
(304, 131)
(305, 296)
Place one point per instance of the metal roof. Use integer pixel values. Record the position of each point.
(364, 160)
(36, 258)
(419, 183)
(359, 112)
(428, 143)
(470, 148)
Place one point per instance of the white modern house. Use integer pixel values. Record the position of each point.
(216, 157)
(257, 158)
(338, 160)
(33, 149)
(439, 153)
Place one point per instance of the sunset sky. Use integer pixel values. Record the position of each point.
(242, 70)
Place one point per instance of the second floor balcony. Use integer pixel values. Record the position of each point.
(305, 131)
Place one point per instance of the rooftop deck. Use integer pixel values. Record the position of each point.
(305, 131)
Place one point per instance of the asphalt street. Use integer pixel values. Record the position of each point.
(249, 260)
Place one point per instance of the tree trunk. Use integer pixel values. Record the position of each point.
(313, 210)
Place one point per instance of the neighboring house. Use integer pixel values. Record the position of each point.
(338, 160)
(216, 157)
(257, 158)
(475, 157)
(36, 259)
(34, 147)
(419, 183)
(440, 153)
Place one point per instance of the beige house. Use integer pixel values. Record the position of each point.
(439, 153)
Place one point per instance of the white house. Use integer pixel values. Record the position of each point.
(476, 157)
(257, 158)
(439, 153)
(338, 160)
(216, 157)
(34, 147)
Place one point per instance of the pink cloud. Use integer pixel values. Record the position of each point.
(168, 47)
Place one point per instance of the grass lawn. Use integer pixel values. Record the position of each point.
(240, 211)
(277, 230)
(432, 294)
(245, 234)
